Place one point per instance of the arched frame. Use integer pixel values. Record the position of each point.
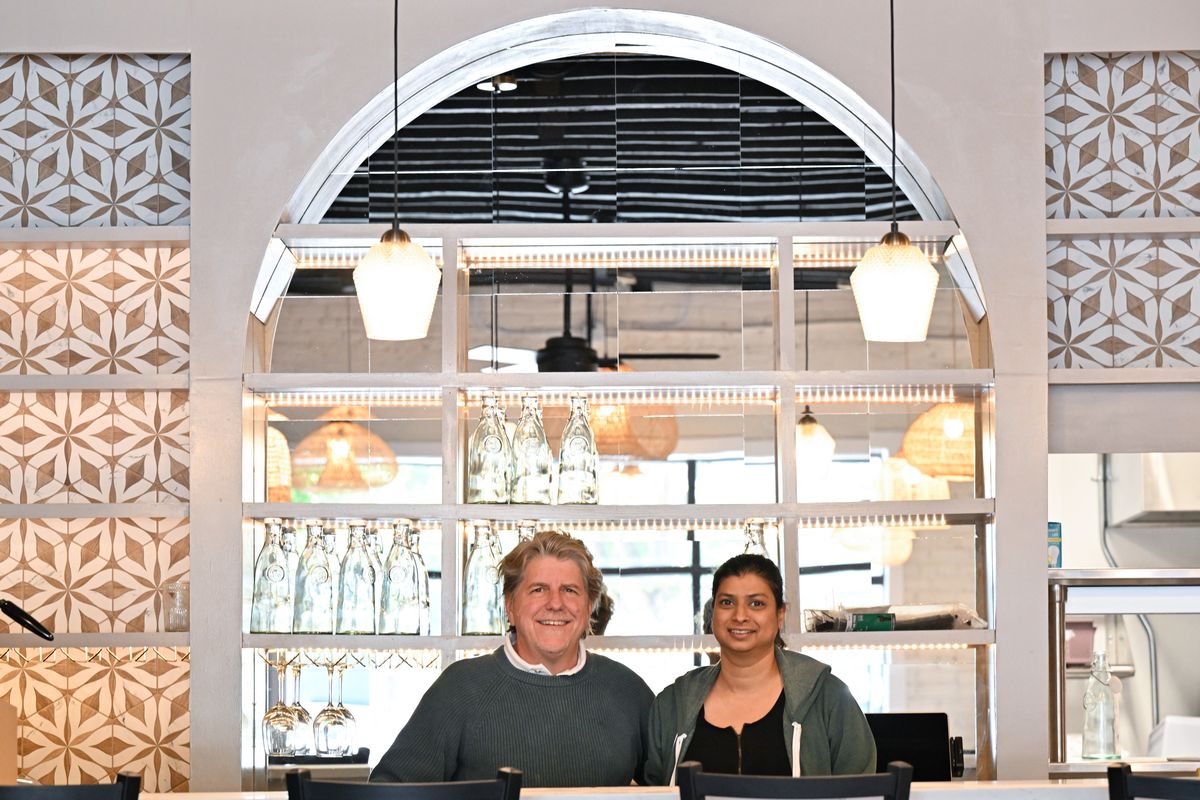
(604, 30)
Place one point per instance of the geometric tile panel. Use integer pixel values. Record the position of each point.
(1123, 301)
(92, 575)
(1122, 135)
(94, 447)
(75, 311)
(95, 140)
(85, 715)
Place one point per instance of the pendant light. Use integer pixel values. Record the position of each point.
(396, 281)
(894, 285)
(814, 444)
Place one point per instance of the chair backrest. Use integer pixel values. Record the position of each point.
(697, 785)
(125, 788)
(505, 786)
(1124, 785)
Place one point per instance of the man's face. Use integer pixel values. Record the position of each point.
(550, 611)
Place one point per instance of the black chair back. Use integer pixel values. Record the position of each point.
(697, 785)
(1124, 785)
(505, 786)
(125, 788)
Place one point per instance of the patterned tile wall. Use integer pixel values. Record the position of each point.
(92, 575)
(74, 311)
(85, 715)
(95, 140)
(1122, 135)
(1123, 301)
(94, 447)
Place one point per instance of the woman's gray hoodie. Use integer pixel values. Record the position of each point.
(824, 728)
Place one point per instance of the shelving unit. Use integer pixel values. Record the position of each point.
(448, 395)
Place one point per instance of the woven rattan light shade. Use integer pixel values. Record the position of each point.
(279, 467)
(902, 481)
(941, 442)
(637, 431)
(343, 454)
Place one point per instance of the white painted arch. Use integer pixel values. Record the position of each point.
(603, 30)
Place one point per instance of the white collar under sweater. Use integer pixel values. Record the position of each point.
(510, 650)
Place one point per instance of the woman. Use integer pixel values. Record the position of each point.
(761, 710)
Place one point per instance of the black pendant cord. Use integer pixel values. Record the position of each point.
(396, 115)
(892, 53)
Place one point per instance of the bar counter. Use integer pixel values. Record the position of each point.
(964, 790)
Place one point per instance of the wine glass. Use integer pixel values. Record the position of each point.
(304, 729)
(330, 729)
(279, 722)
(341, 708)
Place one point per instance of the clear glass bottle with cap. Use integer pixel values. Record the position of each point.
(1100, 711)
(271, 603)
(526, 528)
(356, 586)
(756, 541)
(288, 537)
(489, 457)
(531, 456)
(483, 606)
(400, 600)
(414, 544)
(314, 585)
(578, 459)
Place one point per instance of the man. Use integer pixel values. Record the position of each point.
(541, 703)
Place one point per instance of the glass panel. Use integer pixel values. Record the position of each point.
(646, 438)
(668, 305)
(353, 447)
(829, 335)
(932, 571)
(893, 443)
(320, 327)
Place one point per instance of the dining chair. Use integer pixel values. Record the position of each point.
(694, 784)
(126, 787)
(505, 786)
(1124, 785)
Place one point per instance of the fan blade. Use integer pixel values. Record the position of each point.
(672, 356)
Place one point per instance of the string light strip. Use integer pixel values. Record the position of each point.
(875, 521)
(382, 398)
(884, 646)
(629, 526)
(339, 524)
(847, 254)
(345, 257)
(703, 395)
(907, 393)
(575, 256)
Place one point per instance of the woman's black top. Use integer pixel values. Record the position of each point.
(760, 749)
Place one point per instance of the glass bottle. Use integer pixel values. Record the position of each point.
(483, 607)
(290, 549)
(531, 454)
(755, 539)
(489, 457)
(356, 586)
(399, 602)
(577, 459)
(314, 586)
(1100, 711)
(413, 538)
(375, 553)
(271, 604)
(526, 528)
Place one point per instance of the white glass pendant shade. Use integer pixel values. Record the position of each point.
(397, 286)
(814, 445)
(894, 287)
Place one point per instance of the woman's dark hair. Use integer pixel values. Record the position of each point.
(752, 564)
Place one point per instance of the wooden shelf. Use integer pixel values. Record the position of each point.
(913, 640)
(123, 236)
(96, 640)
(1123, 375)
(391, 381)
(101, 383)
(1124, 226)
(955, 511)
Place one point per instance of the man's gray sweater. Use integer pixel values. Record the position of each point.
(586, 729)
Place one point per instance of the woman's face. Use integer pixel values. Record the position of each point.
(746, 617)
